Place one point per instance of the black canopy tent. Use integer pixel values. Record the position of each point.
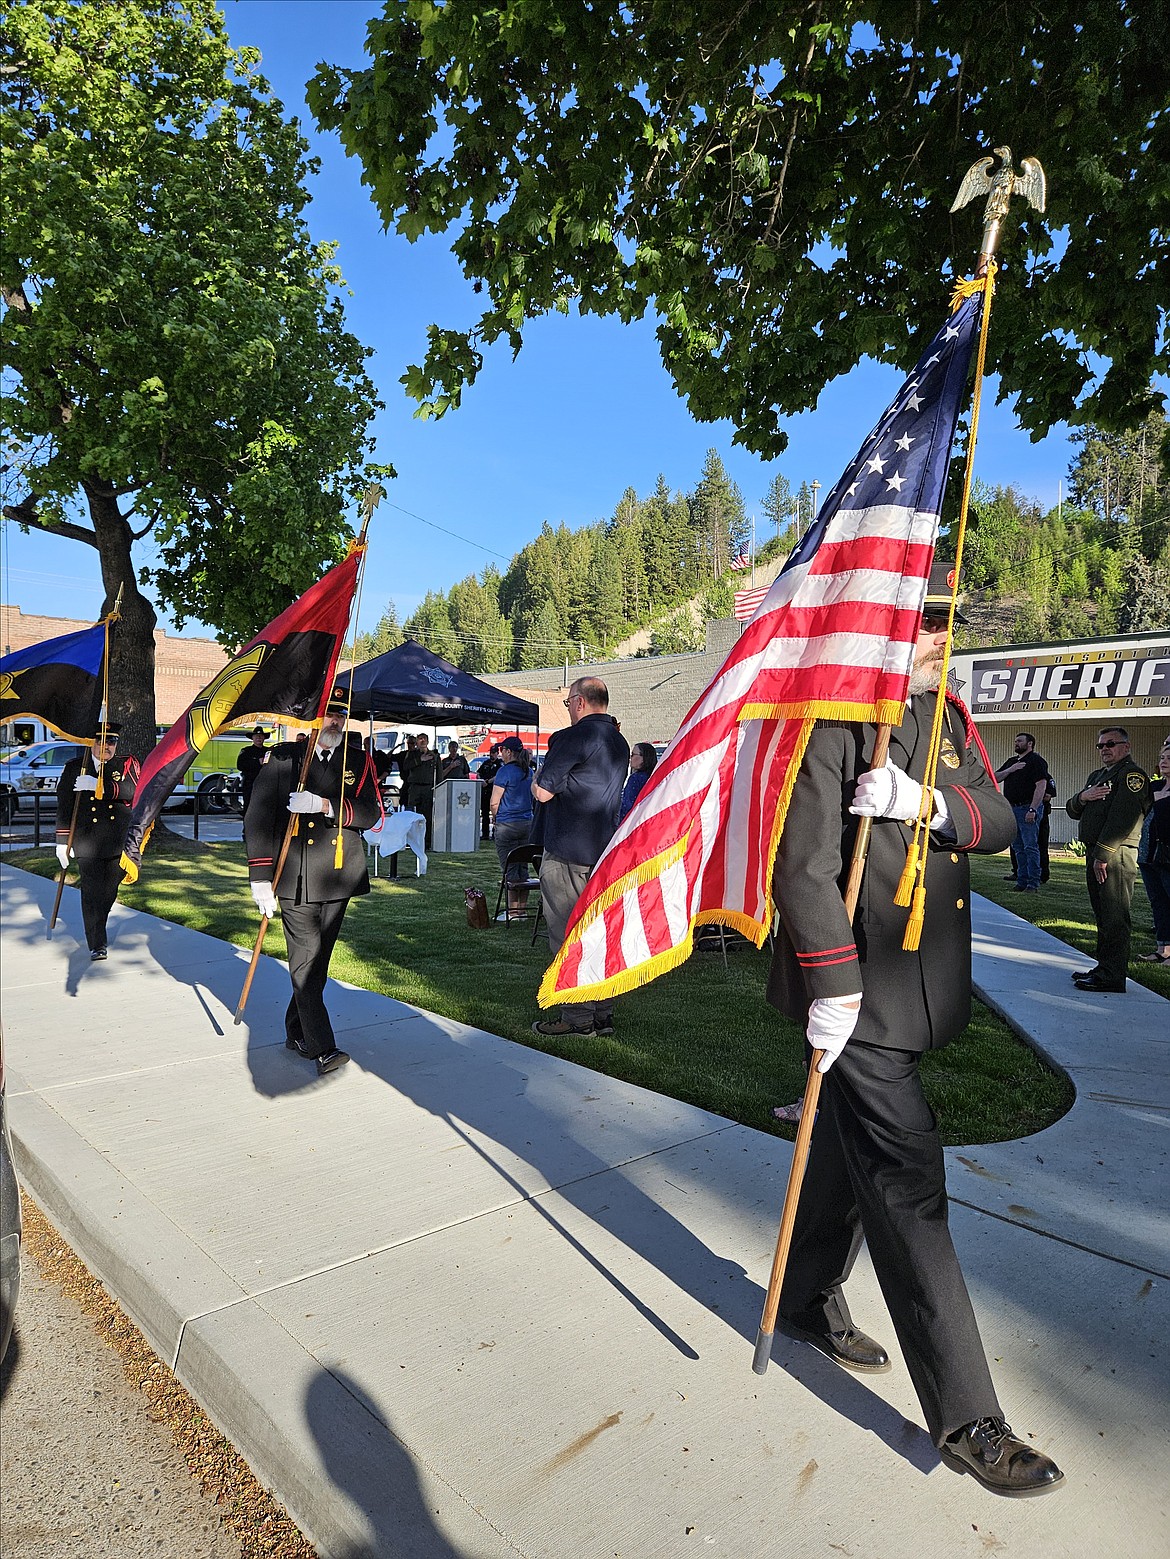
(412, 684)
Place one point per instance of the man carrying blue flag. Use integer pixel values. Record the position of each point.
(94, 795)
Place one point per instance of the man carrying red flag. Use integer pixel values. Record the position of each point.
(875, 1168)
(325, 866)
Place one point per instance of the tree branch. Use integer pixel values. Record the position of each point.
(25, 513)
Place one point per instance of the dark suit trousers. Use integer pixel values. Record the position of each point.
(100, 881)
(1111, 901)
(876, 1170)
(311, 931)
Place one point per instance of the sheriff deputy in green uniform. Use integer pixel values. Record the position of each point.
(1109, 812)
(100, 830)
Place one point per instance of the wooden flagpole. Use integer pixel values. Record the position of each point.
(370, 500)
(999, 191)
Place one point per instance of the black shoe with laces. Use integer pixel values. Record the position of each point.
(1000, 1460)
(851, 1349)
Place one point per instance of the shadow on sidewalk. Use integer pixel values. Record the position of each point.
(368, 1463)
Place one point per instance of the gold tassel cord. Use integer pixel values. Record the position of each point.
(370, 502)
(920, 843)
(110, 617)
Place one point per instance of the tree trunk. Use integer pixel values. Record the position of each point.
(132, 639)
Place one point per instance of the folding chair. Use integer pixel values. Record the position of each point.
(529, 857)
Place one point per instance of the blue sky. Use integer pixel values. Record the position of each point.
(584, 412)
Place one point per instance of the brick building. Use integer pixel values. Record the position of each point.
(181, 666)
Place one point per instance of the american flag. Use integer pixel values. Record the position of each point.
(833, 638)
(741, 560)
(746, 601)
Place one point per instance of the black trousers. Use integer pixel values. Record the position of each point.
(100, 881)
(311, 931)
(876, 1170)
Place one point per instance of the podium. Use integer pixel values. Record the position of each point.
(455, 819)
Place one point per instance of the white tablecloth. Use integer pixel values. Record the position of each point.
(399, 831)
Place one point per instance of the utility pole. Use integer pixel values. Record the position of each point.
(816, 487)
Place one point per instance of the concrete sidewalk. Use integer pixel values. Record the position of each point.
(465, 1299)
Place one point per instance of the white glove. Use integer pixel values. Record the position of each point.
(302, 801)
(264, 899)
(63, 854)
(890, 792)
(85, 782)
(831, 1021)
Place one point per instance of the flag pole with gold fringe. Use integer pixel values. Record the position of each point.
(911, 889)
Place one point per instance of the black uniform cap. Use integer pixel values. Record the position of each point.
(939, 588)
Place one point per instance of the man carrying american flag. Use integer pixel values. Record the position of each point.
(754, 804)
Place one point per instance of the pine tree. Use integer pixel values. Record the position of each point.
(718, 517)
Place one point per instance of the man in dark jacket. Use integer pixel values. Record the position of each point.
(100, 829)
(339, 800)
(1109, 813)
(580, 785)
(421, 772)
(875, 1167)
(249, 763)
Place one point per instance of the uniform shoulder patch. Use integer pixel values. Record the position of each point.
(948, 754)
(1135, 781)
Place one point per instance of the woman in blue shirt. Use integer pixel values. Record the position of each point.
(511, 810)
(643, 757)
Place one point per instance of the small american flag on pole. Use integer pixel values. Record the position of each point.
(832, 638)
(741, 560)
(746, 601)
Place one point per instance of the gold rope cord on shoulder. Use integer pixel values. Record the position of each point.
(912, 885)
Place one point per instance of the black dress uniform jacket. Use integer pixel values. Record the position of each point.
(349, 782)
(913, 1001)
(101, 825)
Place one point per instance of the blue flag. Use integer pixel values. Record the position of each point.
(58, 681)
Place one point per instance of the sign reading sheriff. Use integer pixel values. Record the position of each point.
(1133, 673)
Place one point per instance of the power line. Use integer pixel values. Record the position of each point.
(465, 539)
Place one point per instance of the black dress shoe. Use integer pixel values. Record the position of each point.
(852, 1349)
(298, 1045)
(1001, 1461)
(1084, 974)
(98, 954)
(1093, 982)
(331, 1061)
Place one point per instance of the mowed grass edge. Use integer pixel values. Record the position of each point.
(701, 1034)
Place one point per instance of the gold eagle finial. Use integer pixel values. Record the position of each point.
(999, 189)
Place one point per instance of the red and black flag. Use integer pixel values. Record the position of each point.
(59, 681)
(285, 672)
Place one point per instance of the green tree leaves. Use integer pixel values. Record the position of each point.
(776, 185)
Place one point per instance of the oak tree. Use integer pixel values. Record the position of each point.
(180, 391)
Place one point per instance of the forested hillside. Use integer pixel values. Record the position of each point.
(1095, 564)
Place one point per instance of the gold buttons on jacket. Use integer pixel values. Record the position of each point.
(955, 859)
(958, 903)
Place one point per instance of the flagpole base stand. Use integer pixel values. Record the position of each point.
(763, 1352)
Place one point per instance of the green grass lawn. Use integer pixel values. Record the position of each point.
(1062, 908)
(700, 1034)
